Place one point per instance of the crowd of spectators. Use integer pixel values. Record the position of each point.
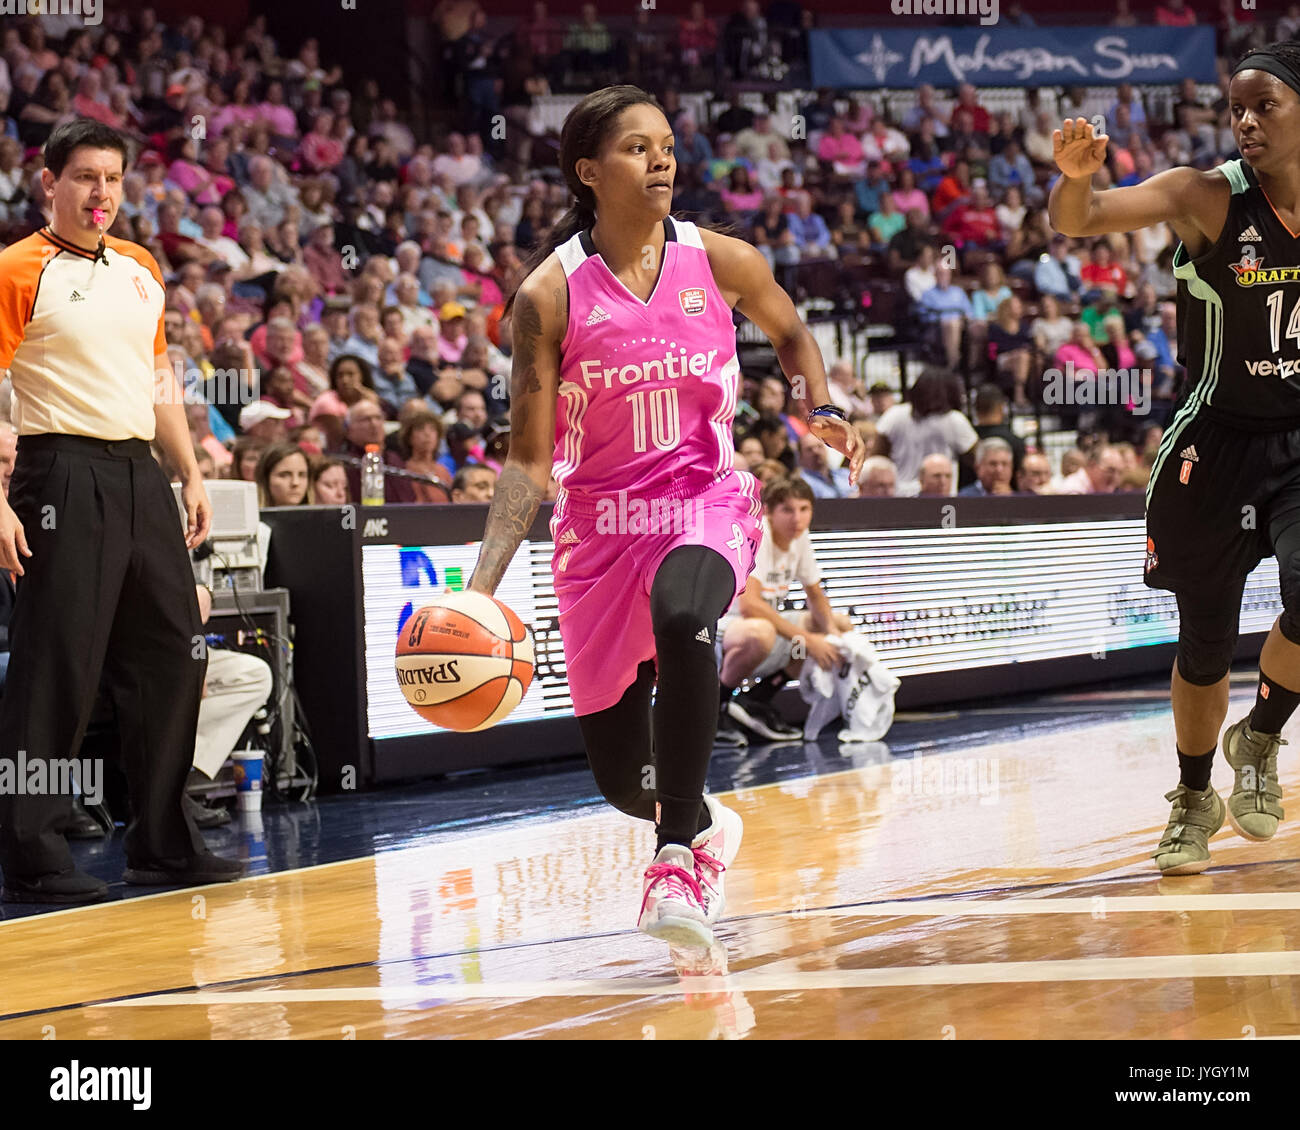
(333, 281)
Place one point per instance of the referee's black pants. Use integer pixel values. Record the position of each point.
(108, 591)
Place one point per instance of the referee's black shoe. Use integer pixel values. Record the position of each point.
(191, 872)
(67, 887)
(80, 825)
(205, 816)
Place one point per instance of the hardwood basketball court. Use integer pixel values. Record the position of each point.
(1002, 890)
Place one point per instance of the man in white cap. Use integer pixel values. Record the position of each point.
(264, 421)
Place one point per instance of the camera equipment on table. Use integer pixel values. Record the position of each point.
(231, 557)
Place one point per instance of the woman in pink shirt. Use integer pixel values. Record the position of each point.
(240, 109)
(350, 381)
(907, 196)
(235, 208)
(1116, 349)
(741, 194)
(275, 113)
(476, 269)
(841, 149)
(861, 115)
(189, 175)
(216, 153)
(320, 151)
(1081, 351)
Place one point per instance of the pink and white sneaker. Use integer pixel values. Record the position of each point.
(714, 849)
(672, 905)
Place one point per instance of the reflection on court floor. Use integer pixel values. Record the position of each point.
(1000, 890)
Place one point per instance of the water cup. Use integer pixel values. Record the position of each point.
(248, 778)
(253, 841)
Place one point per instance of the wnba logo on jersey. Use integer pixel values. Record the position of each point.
(693, 300)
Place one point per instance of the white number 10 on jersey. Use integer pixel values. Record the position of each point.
(665, 420)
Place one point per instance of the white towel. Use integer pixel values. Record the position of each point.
(860, 691)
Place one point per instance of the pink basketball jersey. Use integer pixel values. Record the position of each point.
(647, 389)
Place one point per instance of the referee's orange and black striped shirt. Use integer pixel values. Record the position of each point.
(79, 334)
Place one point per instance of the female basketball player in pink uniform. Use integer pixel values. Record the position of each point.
(623, 385)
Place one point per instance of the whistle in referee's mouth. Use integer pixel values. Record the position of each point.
(99, 215)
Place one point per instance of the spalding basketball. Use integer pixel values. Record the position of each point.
(465, 661)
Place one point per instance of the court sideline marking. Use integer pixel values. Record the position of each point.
(1283, 963)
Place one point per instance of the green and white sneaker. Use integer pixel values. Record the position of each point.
(1196, 816)
(1255, 805)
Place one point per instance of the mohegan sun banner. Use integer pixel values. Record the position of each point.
(858, 58)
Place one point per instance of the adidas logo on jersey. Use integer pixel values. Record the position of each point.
(597, 316)
(76, 297)
(1249, 233)
(703, 635)
(568, 538)
(1190, 453)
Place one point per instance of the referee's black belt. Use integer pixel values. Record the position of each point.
(86, 445)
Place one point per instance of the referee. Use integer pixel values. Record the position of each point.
(90, 528)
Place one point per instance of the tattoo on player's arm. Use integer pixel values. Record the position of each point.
(514, 506)
(517, 496)
(526, 328)
(524, 381)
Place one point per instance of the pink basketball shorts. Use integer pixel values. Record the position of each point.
(607, 550)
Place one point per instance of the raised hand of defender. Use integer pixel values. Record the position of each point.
(1079, 151)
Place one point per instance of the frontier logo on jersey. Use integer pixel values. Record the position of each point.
(693, 300)
(1250, 271)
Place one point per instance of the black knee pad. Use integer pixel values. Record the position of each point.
(691, 590)
(679, 627)
(1207, 638)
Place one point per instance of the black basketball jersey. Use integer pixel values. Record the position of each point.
(1239, 313)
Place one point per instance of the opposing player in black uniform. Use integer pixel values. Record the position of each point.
(1225, 488)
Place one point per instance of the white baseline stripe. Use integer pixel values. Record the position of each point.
(1122, 904)
(1166, 967)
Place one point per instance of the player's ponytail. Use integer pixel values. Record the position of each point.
(585, 130)
(580, 216)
